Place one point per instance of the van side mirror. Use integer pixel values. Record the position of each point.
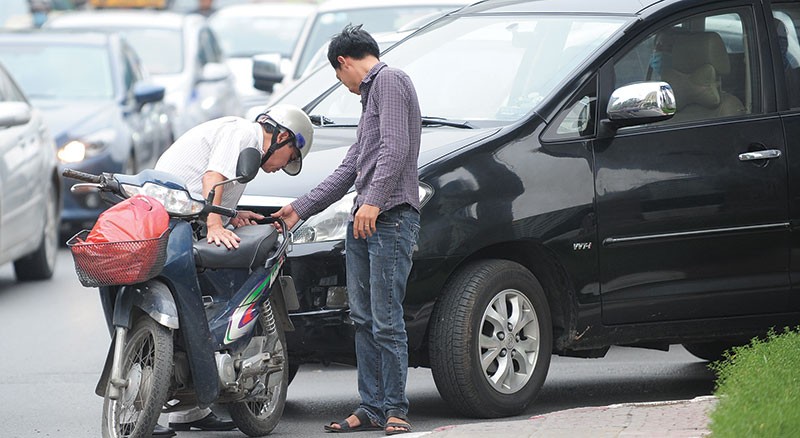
(248, 165)
(638, 104)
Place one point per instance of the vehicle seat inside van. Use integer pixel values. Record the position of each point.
(697, 74)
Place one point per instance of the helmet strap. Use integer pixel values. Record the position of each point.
(274, 145)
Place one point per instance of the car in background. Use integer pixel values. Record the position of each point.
(188, 6)
(105, 113)
(333, 15)
(16, 14)
(384, 40)
(247, 30)
(30, 199)
(591, 174)
(181, 53)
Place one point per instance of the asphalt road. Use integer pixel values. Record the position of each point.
(53, 341)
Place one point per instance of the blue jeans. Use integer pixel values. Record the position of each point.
(377, 272)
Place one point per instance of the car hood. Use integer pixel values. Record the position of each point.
(68, 119)
(331, 145)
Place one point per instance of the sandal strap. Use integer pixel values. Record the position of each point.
(363, 417)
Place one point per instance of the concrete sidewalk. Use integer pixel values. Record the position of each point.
(672, 419)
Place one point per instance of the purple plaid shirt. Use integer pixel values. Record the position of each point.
(383, 161)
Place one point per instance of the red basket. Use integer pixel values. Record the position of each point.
(117, 263)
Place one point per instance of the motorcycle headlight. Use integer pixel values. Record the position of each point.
(176, 202)
(78, 150)
(331, 223)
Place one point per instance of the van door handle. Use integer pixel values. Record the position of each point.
(760, 155)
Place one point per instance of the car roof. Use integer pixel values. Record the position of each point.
(334, 5)
(59, 37)
(107, 18)
(570, 6)
(266, 9)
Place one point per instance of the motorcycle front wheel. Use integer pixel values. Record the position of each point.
(146, 369)
(259, 415)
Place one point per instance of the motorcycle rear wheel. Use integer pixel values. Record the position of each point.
(147, 368)
(259, 417)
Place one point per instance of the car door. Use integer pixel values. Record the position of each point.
(785, 37)
(20, 167)
(692, 212)
(144, 121)
(215, 85)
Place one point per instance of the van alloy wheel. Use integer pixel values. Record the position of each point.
(491, 339)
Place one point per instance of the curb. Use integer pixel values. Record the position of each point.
(674, 419)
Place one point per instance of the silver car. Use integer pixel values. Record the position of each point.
(30, 207)
(182, 54)
(245, 31)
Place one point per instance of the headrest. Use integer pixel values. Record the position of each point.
(694, 49)
(696, 88)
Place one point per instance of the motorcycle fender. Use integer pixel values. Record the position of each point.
(153, 297)
(284, 301)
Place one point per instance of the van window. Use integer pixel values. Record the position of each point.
(706, 59)
(787, 20)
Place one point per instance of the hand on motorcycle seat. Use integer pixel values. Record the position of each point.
(219, 235)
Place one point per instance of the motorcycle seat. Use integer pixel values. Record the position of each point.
(257, 243)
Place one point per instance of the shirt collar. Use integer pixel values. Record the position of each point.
(371, 74)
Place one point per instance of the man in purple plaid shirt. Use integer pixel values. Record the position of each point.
(384, 225)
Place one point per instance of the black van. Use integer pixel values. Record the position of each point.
(592, 174)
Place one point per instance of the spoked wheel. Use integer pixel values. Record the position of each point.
(146, 368)
(259, 415)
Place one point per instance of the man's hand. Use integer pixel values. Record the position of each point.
(289, 216)
(246, 218)
(217, 234)
(364, 221)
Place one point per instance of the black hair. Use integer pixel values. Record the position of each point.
(353, 42)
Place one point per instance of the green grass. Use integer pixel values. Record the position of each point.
(758, 387)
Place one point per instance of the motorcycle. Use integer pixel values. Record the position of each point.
(198, 324)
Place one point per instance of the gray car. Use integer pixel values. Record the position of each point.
(180, 51)
(29, 186)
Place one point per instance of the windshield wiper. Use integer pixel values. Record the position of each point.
(320, 120)
(441, 121)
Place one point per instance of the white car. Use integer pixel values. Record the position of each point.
(247, 30)
(182, 54)
(29, 186)
(383, 16)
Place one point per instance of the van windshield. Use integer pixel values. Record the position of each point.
(489, 70)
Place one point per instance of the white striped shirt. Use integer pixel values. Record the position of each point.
(212, 146)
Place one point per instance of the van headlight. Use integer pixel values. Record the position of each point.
(331, 224)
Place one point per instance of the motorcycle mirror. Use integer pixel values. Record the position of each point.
(248, 165)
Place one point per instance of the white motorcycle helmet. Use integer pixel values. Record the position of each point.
(295, 121)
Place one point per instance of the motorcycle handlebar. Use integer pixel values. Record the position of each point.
(81, 176)
(230, 212)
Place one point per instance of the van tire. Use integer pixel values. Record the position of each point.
(477, 316)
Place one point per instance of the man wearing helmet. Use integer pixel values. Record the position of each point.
(208, 154)
(383, 228)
